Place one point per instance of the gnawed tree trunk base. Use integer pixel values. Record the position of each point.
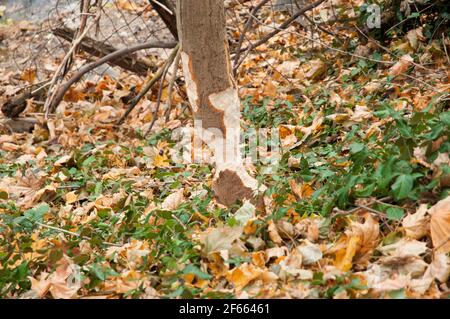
(230, 186)
(213, 96)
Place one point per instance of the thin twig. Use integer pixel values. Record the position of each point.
(163, 6)
(389, 51)
(74, 234)
(358, 207)
(171, 85)
(158, 99)
(246, 28)
(149, 85)
(409, 17)
(84, 12)
(58, 75)
(277, 30)
(431, 87)
(179, 221)
(321, 28)
(445, 48)
(110, 57)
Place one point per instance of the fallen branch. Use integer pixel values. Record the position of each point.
(100, 49)
(161, 86)
(84, 10)
(112, 56)
(149, 84)
(18, 103)
(73, 234)
(63, 69)
(171, 85)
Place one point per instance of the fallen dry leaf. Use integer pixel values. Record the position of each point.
(220, 238)
(401, 66)
(273, 233)
(71, 197)
(368, 233)
(173, 200)
(344, 257)
(311, 252)
(243, 275)
(417, 225)
(440, 225)
(315, 69)
(62, 284)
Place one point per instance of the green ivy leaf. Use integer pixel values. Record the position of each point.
(356, 147)
(192, 269)
(403, 186)
(36, 214)
(395, 213)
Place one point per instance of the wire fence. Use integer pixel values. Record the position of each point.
(35, 51)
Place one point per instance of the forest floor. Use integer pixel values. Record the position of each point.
(358, 205)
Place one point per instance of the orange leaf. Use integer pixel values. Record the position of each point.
(28, 75)
(270, 89)
(440, 225)
(344, 257)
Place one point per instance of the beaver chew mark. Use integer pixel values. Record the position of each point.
(228, 188)
(211, 117)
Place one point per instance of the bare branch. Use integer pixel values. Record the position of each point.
(91, 66)
(149, 84)
(282, 27)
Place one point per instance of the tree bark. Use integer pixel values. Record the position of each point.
(166, 12)
(213, 95)
(16, 104)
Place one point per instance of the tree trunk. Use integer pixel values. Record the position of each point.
(166, 12)
(213, 95)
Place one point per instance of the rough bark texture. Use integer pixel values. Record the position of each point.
(168, 18)
(213, 93)
(16, 104)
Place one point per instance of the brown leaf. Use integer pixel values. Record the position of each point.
(440, 267)
(173, 200)
(344, 257)
(440, 225)
(270, 89)
(62, 284)
(302, 191)
(28, 75)
(220, 238)
(417, 225)
(71, 198)
(368, 232)
(243, 275)
(401, 66)
(316, 69)
(273, 233)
